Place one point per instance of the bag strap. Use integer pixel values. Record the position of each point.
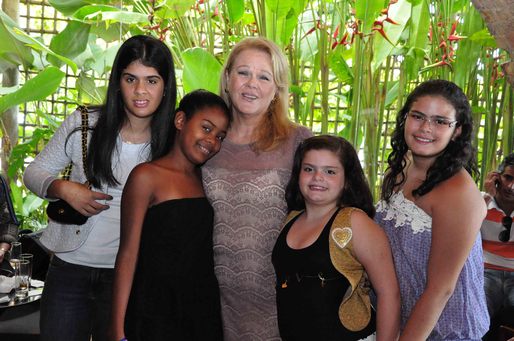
(84, 127)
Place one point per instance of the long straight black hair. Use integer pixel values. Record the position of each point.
(150, 52)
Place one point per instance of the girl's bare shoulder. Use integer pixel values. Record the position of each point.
(362, 224)
(459, 190)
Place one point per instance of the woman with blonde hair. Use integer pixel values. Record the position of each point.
(245, 183)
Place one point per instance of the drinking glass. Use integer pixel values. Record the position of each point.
(15, 254)
(22, 278)
(30, 258)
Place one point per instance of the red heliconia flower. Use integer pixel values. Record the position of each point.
(344, 39)
(454, 27)
(309, 32)
(336, 32)
(391, 21)
(455, 37)
(382, 33)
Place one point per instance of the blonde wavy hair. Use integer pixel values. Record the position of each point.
(276, 125)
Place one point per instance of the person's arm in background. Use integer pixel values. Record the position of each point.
(4, 248)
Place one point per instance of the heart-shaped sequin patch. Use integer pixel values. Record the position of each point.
(342, 236)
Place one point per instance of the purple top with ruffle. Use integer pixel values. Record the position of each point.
(409, 230)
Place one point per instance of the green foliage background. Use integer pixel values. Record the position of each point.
(351, 62)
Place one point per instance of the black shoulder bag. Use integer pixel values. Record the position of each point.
(8, 221)
(60, 211)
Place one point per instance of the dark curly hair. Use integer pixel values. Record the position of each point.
(355, 193)
(458, 153)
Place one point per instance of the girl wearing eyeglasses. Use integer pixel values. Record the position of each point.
(431, 211)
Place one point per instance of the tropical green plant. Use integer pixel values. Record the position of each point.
(352, 63)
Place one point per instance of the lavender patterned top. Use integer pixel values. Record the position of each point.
(246, 190)
(409, 230)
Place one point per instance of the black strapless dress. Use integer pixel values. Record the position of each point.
(175, 293)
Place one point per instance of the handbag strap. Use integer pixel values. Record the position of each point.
(84, 126)
(84, 129)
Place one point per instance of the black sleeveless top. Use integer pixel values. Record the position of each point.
(310, 290)
(175, 293)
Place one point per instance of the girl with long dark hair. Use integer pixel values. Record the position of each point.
(330, 249)
(130, 128)
(431, 211)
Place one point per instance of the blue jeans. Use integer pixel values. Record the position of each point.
(76, 302)
(499, 290)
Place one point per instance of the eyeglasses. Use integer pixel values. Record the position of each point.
(504, 235)
(439, 122)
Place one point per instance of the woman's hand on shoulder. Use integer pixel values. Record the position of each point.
(79, 196)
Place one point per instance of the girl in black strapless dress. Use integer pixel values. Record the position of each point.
(164, 286)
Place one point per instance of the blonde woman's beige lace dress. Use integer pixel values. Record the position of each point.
(246, 190)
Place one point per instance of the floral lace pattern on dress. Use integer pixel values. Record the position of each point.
(405, 213)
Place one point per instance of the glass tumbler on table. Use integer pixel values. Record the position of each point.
(14, 254)
(22, 278)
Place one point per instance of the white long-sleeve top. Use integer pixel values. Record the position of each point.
(100, 234)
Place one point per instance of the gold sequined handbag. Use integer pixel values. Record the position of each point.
(60, 211)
